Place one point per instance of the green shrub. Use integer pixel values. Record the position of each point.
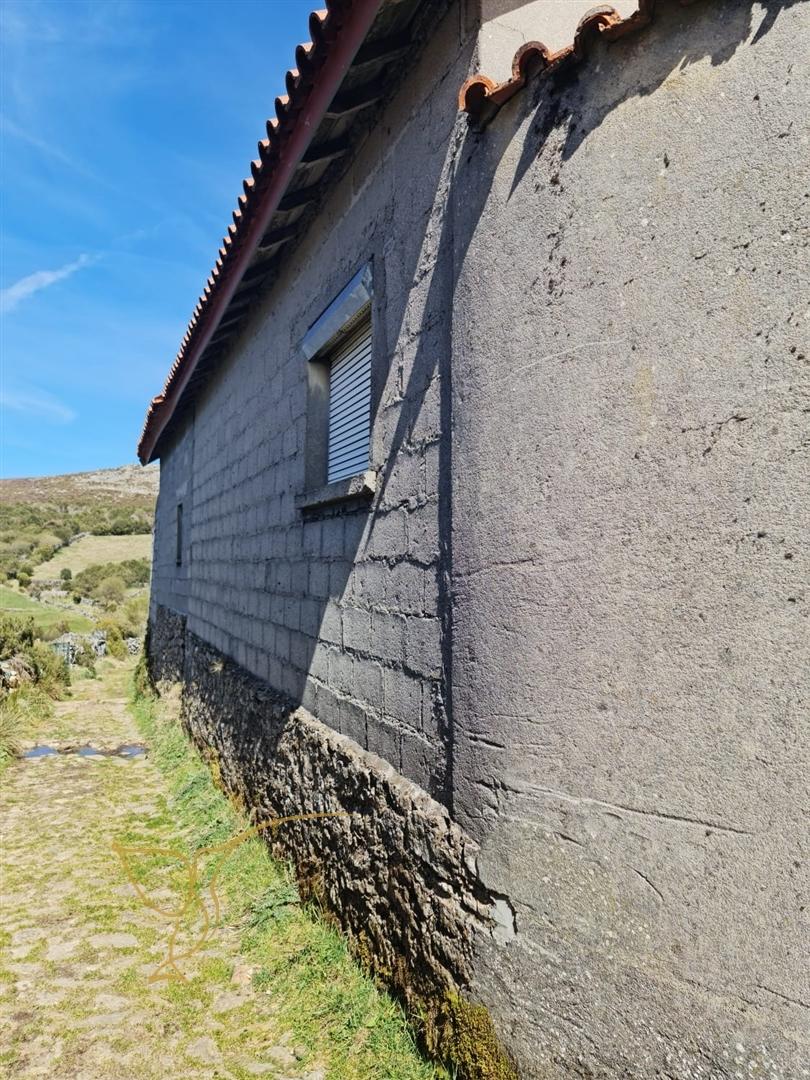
(141, 682)
(131, 617)
(11, 725)
(86, 658)
(52, 671)
(16, 635)
(115, 640)
(131, 571)
(110, 591)
(66, 573)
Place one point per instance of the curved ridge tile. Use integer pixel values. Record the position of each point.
(481, 97)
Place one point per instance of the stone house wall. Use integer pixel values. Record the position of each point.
(575, 613)
(340, 611)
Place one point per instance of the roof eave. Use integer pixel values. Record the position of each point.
(351, 36)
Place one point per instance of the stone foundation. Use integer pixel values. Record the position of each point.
(393, 870)
(165, 645)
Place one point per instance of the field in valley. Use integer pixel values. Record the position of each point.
(13, 602)
(90, 550)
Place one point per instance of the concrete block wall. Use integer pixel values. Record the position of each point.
(170, 582)
(341, 611)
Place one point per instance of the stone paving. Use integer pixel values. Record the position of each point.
(76, 945)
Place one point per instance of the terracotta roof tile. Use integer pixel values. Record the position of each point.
(481, 98)
(338, 29)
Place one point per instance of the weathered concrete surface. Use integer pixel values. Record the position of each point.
(630, 502)
(508, 24)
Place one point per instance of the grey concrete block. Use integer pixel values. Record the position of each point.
(403, 480)
(402, 695)
(353, 722)
(385, 739)
(423, 646)
(423, 533)
(312, 538)
(311, 611)
(299, 576)
(319, 664)
(405, 588)
(370, 579)
(368, 683)
(357, 629)
(318, 581)
(388, 535)
(331, 629)
(340, 576)
(282, 644)
(332, 538)
(420, 759)
(388, 636)
(341, 672)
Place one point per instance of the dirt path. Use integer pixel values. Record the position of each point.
(78, 946)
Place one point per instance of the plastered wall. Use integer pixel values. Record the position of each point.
(505, 25)
(631, 503)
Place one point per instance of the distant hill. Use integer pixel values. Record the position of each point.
(130, 485)
(40, 515)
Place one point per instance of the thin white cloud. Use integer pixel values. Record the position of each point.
(14, 295)
(38, 403)
(47, 147)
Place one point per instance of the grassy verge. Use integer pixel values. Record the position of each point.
(333, 1012)
(20, 712)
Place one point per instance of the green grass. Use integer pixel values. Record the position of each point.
(21, 712)
(17, 603)
(330, 1007)
(96, 549)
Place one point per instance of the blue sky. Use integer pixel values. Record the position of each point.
(126, 130)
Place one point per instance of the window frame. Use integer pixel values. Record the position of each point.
(334, 355)
(323, 339)
(178, 537)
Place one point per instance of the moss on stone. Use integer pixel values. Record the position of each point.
(461, 1033)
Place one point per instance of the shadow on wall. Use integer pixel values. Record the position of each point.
(577, 100)
(336, 585)
(425, 261)
(419, 246)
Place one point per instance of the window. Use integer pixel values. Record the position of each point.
(338, 348)
(178, 554)
(350, 400)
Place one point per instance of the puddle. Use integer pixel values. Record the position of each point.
(126, 750)
(130, 750)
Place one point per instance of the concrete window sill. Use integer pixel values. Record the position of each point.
(354, 489)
